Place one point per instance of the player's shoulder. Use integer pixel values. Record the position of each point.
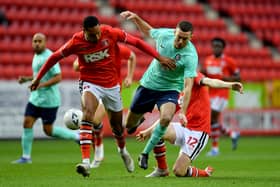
(47, 52)
(228, 58)
(78, 35)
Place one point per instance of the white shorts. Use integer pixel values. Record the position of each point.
(110, 97)
(191, 142)
(218, 103)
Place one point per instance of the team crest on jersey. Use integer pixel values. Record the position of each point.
(178, 57)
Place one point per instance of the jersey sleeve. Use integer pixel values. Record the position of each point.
(190, 66)
(157, 33)
(198, 78)
(68, 48)
(55, 69)
(124, 52)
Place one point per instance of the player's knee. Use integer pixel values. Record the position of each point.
(117, 132)
(165, 120)
(87, 114)
(48, 131)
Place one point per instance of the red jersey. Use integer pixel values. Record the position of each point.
(199, 112)
(98, 62)
(218, 68)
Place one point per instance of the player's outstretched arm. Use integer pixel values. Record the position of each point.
(166, 62)
(142, 25)
(144, 134)
(216, 83)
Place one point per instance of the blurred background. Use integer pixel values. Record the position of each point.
(251, 29)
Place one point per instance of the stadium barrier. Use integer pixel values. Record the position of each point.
(13, 99)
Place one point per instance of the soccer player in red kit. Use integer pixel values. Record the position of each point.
(220, 66)
(96, 48)
(125, 54)
(191, 137)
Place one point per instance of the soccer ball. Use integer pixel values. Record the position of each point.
(72, 118)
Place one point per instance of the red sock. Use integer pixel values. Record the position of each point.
(215, 134)
(159, 152)
(85, 139)
(195, 172)
(98, 134)
(120, 140)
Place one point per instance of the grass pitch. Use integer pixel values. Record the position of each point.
(256, 162)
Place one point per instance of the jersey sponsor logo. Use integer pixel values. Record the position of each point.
(93, 57)
(214, 70)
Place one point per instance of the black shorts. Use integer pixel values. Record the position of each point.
(145, 99)
(48, 115)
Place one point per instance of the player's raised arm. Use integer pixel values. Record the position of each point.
(142, 25)
(143, 46)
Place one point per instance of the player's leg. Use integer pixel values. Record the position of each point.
(30, 116)
(133, 121)
(167, 111)
(115, 119)
(97, 138)
(160, 153)
(48, 116)
(89, 106)
(113, 103)
(191, 143)
(143, 101)
(215, 133)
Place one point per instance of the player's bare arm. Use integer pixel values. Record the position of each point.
(131, 64)
(216, 83)
(142, 25)
(23, 79)
(186, 99)
(54, 80)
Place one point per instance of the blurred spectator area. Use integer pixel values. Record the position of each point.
(59, 19)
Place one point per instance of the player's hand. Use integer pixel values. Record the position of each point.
(34, 85)
(128, 15)
(183, 119)
(166, 62)
(127, 82)
(21, 79)
(142, 136)
(237, 86)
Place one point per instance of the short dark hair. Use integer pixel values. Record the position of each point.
(185, 26)
(218, 39)
(90, 21)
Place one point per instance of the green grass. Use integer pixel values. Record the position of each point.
(255, 163)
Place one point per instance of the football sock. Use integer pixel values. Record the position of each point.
(98, 134)
(154, 139)
(64, 133)
(215, 134)
(26, 142)
(159, 152)
(195, 172)
(85, 139)
(120, 140)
